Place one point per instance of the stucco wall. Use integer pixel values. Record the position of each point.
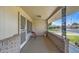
(9, 41)
(8, 22)
(39, 26)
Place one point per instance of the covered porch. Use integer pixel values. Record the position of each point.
(45, 41)
(18, 24)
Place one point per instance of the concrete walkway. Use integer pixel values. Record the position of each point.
(73, 48)
(39, 45)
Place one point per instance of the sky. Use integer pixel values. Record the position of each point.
(73, 18)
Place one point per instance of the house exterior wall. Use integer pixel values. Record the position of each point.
(39, 26)
(8, 22)
(9, 37)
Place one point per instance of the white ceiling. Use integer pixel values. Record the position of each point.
(56, 16)
(46, 11)
(69, 10)
(43, 11)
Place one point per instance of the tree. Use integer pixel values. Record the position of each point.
(75, 24)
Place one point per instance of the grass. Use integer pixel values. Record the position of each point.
(69, 33)
(73, 38)
(53, 30)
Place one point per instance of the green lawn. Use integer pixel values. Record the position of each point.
(53, 30)
(73, 38)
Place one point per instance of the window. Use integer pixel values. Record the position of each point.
(23, 32)
(29, 26)
(22, 22)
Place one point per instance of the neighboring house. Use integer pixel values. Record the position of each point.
(75, 26)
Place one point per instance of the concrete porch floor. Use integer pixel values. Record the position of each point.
(39, 45)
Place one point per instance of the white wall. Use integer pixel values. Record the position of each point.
(9, 27)
(39, 26)
(8, 22)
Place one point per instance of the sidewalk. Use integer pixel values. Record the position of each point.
(73, 48)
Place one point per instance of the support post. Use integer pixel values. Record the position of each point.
(64, 29)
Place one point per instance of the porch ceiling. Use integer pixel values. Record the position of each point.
(39, 12)
(43, 12)
(69, 10)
